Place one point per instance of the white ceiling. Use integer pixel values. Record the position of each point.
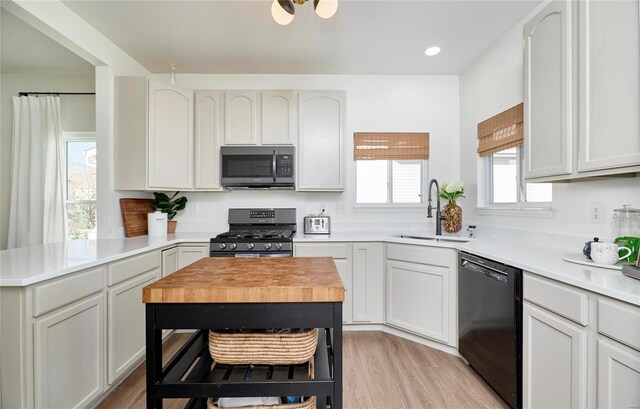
(25, 49)
(364, 37)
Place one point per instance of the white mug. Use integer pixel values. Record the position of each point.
(607, 253)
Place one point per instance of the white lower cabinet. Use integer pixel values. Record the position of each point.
(361, 269)
(421, 293)
(618, 375)
(69, 355)
(191, 254)
(169, 261)
(579, 349)
(554, 361)
(126, 324)
(418, 298)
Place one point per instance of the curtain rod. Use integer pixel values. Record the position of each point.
(24, 94)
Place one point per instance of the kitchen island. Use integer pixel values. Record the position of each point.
(252, 293)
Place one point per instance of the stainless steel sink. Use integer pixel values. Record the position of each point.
(432, 238)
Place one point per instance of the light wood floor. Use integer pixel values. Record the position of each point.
(381, 371)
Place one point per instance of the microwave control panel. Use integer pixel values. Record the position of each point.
(285, 165)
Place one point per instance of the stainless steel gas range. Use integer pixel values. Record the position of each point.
(257, 233)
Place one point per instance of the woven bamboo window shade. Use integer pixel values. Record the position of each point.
(390, 146)
(501, 132)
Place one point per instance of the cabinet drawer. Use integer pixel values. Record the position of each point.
(132, 266)
(335, 250)
(619, 321)
(559, 298)
(48, 297)
(418, 254)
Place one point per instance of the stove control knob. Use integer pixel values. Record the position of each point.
(250, 246)
(233, 246)
(278, 246)
(267, 246)
(222, 246)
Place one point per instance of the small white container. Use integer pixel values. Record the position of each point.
(157, 223)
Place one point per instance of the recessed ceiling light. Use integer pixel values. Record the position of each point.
(431, 51)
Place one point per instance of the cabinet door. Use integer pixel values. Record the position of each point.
(554, 360)
(169, 261)
(609, 84)
(278, 117)
(618, 376)
(170, 137)
(344, 269)
(126, 324)
(69, 361)
(418, 299)
(321, 140)
(368, 300)
(548, 92)
(241, 117)
(191, 254)
(207, 140)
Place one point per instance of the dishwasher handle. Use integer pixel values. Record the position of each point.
(488, 272)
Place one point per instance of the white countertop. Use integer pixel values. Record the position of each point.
(548, 262)
(30, 265)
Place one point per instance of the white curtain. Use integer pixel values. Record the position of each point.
(37, 214)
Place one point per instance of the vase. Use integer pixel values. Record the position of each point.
(171, 226)
(453, 214)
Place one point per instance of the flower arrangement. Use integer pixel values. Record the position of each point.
(452, 191)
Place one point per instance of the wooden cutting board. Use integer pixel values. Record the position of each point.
(134, 216)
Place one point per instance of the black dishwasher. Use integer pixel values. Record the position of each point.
(490, 323)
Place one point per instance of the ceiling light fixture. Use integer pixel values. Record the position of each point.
(431, 51)
(283, 11)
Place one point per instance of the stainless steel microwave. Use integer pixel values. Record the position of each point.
(258, 167)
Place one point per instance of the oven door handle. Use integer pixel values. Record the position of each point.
(273, 164)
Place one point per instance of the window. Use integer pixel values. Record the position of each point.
(506, 181)
(390, 167)
(80, 187)
(389, 181)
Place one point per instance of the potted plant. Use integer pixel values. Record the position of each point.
(452, 212)
(170, 206)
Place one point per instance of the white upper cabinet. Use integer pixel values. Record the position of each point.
(609, 84)
(241, 117)
(207, 140)
(278, 117)
(321, 122)
(170, 147)
(548, 92)
(582, 90)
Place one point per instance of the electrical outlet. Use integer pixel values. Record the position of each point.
(339, 208)
(195, 209)
(597, 212)
(323, 208)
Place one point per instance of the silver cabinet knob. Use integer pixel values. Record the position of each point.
(221, 246)
(267, 246)
(250, 246)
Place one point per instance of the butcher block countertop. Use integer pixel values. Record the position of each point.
(250, 280)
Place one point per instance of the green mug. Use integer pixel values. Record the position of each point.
(631, 242)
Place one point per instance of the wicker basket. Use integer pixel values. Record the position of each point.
(308, 404)
(262, 348)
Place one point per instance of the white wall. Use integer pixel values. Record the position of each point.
(77, 112)
(374, 104)
(493, 83)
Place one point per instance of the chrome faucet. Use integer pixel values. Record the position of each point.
(439, 216)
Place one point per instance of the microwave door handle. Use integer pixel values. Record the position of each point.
(273, 164)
